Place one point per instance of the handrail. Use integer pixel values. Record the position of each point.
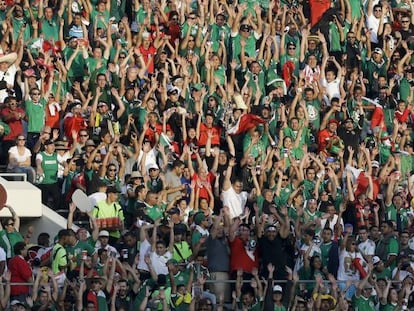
(229, 281)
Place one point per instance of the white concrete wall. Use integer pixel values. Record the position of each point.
(24, 197)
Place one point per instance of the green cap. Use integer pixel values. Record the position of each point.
(199, 217)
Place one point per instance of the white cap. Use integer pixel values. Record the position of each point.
(104, 233)
(277, 288)
(375, 260)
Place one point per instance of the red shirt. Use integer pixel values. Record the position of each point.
(16, 126)
(324, 137)
(52, 120)
(402, 117)
(202, 184)
(150, 133)
(148, 53)
(215, 140)
(21, 272)
(73, 123)
(239, 259)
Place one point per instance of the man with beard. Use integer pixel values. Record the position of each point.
(350, 134)
(272, 243)
(125, 296)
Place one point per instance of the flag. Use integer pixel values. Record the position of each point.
(246, 122)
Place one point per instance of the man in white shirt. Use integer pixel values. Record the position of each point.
(160, 254)
(366, 246)
(233, 196)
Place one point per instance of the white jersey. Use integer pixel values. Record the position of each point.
(347, 270)
(367, 247)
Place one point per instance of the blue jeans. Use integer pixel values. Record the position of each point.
(29, 171)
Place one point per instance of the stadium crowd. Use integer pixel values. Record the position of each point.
(239, 155)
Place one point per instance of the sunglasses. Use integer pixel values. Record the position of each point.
(285, 179)
(21, 139)
(10, 224)
(84, 135)
(405, 21)
(114, 170)
(292, 48)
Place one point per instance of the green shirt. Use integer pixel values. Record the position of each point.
(255, 306)
(325, 248)
(250, 47)
(59, 258)
(36, 115)
(8, 240)
(363, 304)
(96, 16)
(155, 212)
(50, 28)
(78, 64)
(76, 251)
(49, 167)
(391, 214)
(284, 195)
(184, 251)
(105, 210)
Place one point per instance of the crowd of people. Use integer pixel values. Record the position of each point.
(237, 155)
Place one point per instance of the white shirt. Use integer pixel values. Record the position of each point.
(367, 247)
(7, 76)
(61, 159)
(303, 249)
(332, 222)
(235, 201)
(347, 270)
(144, 249)
(332, 88)
(159, 263)
(19, 158)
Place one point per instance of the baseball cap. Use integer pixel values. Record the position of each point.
(48, 142)
(378, 51)
(277, 289)
(104, 233)
(375, 260)
(199, 218)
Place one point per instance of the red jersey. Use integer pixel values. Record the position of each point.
(215, 140)
(202, 184)
(16, 126)
(21, 272)
(149, 54)
(73, 123)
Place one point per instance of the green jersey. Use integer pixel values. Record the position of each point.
(363, 304)
(49, 167)
(36, 115)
